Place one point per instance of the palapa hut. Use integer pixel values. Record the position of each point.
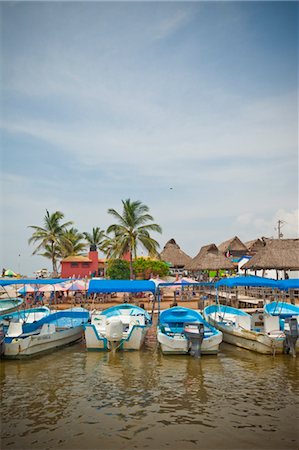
(210, 258)
(233, 247)
(172, 254)
(277, 254)
(254, 246)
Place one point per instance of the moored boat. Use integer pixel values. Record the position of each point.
(178, 326)
(257, 332)
(52, 331)
(121, 327)
(9, 305)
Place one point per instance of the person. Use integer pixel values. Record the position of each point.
(286, 276)
(3, 272)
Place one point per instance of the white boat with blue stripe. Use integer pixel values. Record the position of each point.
(121, 327)
(177, 324)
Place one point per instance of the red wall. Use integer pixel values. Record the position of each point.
(68, 271)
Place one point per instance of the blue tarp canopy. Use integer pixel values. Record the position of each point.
(186, 283)
(250, 281)
(5, 282)
(285, 285)
(106, 286)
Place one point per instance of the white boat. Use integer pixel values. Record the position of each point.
(50, 332)
(257, 332)
(288, 316)
(8, 305)
(177, 323)
(121, 327)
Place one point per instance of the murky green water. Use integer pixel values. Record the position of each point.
(72, 399)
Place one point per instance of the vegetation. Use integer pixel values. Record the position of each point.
(96, 238)
(133, 228)
(48, 236)
(58, 239)
(118, 269)
(145, 268)
(70, 243)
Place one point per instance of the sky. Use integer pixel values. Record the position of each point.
(191, 108)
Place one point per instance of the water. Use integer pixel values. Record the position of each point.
(71, 399)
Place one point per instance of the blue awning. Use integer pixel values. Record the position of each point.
(285, 285)
(106, 286)
(9, 282)
(250, 281)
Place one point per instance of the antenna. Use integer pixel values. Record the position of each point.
(279, 226)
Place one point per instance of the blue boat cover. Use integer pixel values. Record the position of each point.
(179, 314)
(282, 309)
(250, 281)
(292, 283)
(106, 286)
(5, 282)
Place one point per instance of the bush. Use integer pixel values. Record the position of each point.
(144, 268)
(118, 269)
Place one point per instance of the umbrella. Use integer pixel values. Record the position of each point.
(76, 285)
(10, 273)
(157, 281)
(27, 289)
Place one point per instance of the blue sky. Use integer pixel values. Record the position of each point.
(107, 101)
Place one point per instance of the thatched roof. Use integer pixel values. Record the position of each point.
(173, 254)
(254, 245)
(279, 254)
(210, 258)
(233, 244)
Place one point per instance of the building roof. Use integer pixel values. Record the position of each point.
(210, 258)
(78, 258)
(173, 254)
(279, 254)
(233, 244)
(254, 244)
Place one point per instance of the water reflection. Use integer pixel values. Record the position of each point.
(79, 400)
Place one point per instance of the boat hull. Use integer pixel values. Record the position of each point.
(254, 341)
(179, 345)
(39, 343)
(97, 342)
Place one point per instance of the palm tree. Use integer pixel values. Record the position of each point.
(49, 235)
(70, 243)
(96, 238)
(133, 229)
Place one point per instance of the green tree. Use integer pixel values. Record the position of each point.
(133, 228)
(118, 269)
(96, 238)
(70, 243)
(49, 235)
(144, 268)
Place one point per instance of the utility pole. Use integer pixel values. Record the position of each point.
(279, 226)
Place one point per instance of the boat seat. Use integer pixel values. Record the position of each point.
(15, 329)
(243, 322)
(271, 323)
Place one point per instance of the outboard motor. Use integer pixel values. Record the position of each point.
(291, 333)
(194, 332)
(114, 332)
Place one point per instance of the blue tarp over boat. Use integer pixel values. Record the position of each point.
(250, 281)
(181, 315)
(285, 285)
(106, 286)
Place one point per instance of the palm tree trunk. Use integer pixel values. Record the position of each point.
(131, 265)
